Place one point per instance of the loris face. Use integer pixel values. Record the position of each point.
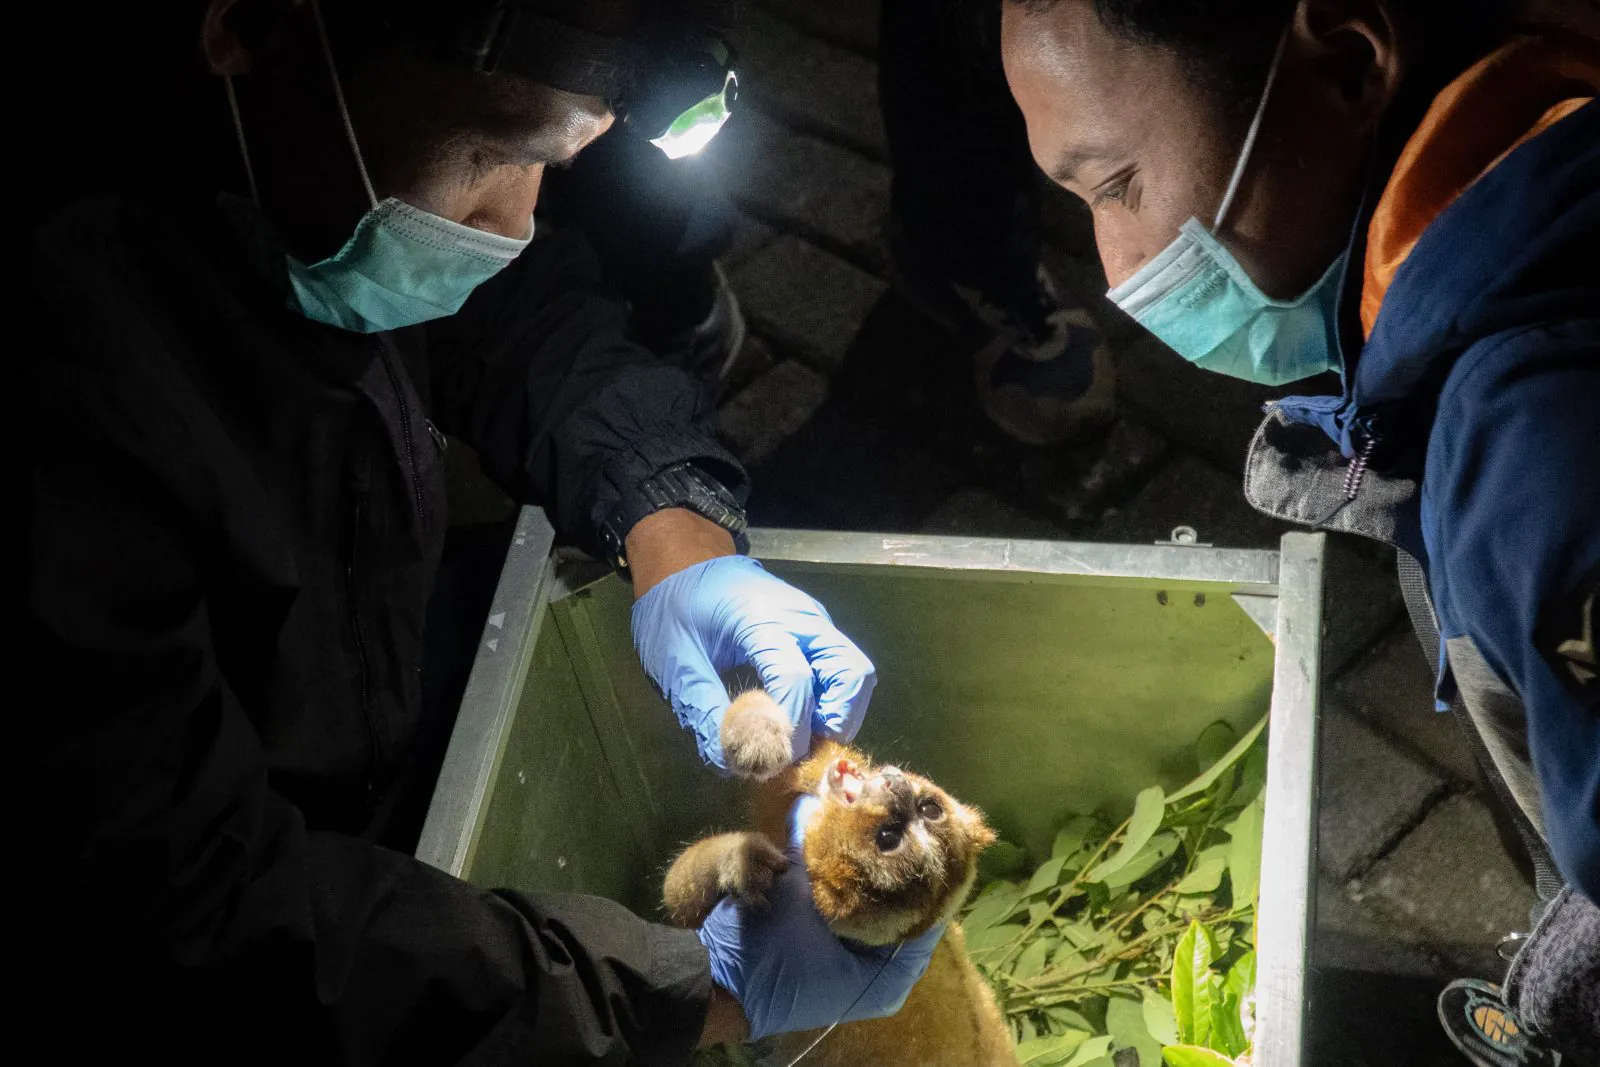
(889, 853)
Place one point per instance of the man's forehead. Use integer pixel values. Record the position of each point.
(1086, 92)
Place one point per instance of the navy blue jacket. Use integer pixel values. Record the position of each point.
(1481, 383)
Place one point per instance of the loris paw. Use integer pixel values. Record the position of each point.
(749, 869)
(756, 736)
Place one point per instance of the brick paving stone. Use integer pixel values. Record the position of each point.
(1450, 879)
(1362, 600)
(979, 513)
(809, 83)
(807, 186)
(755, 359)
(1076, 493)
(852, 24)
(750, 235)
(1212, 414)
(1371, 793)
(1188, 491)
(774, 406)
(1348, 935)
(1391, 686)
(806, 301)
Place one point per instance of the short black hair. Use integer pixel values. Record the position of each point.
(1226, 46)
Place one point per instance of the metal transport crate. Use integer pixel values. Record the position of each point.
(1031, 678)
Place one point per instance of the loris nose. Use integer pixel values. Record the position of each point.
(902, 796)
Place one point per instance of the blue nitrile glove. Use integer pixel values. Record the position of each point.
(790, 972)
(728, 611)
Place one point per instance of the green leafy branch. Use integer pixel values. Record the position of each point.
(1139, 934)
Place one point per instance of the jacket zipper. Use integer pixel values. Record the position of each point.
(1358, 467)
(439, 440)
(405, 430)
(358, 631)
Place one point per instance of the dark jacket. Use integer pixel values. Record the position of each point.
(235, 515)
(1471, 418)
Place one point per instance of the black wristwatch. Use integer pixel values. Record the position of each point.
(681, 486)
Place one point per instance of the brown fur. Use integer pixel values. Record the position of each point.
(950, 1018)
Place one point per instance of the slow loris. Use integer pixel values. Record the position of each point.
(889, 855)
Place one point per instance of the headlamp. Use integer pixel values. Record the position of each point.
(673, 86)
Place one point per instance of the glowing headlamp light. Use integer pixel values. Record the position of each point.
(674, 86)
(694, 128)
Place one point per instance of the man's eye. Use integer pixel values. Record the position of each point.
(1116, 191)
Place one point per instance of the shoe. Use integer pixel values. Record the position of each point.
(1045, 377)
(1482, 1025)
(1042, 370)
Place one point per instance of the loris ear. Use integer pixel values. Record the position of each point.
(978, 830)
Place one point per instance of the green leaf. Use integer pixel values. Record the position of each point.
(1091, 1049)
(1052, 1051)
(1031, 963)
(1217, 769)
(1242, 976)
(1072, 835)
(1142, 825)
(1158, 1018)
(1244, 853)
(1046, 877)
(1079, 933)
(1194, 1056)
(1215, 740)
(1067, 958)
(1241, 988)
(1157, 851)
(992, 938)
(1191, 983)
(1125, 1022)
(1252, 776)
(1026, 1030)
(1227, 1033)
(1207, 873)
(993, 908)
(1063, 1018)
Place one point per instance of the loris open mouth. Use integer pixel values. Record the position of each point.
(845, 780)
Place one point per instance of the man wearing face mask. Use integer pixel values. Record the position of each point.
(1406, 192)
(235, 511)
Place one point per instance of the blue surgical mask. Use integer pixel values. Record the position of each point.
(1198, 299)
(402, 265)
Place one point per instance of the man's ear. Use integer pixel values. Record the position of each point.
(232, 31)
(1356, 48)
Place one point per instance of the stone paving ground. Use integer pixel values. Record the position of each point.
(855, 413)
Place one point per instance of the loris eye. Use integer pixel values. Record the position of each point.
(889, 837)
(929, 809)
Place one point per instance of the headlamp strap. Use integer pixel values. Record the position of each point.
(550, 52)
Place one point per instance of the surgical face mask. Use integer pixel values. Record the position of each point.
(402, 266)
(1197, 298)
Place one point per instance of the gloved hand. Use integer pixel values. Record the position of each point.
(727, 611)
(789, 972)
